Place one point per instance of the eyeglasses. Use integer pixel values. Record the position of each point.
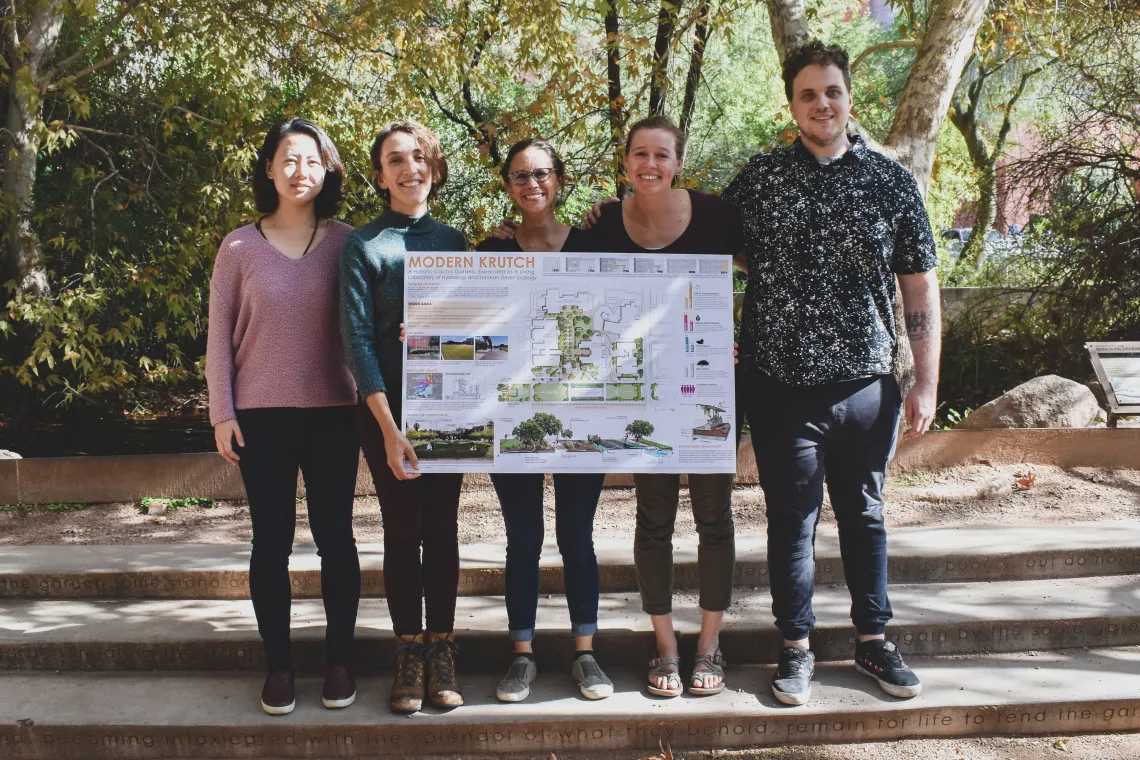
(520, 178)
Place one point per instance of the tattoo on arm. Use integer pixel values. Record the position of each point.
(919, 325)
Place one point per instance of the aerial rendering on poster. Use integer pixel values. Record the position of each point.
(545, 362)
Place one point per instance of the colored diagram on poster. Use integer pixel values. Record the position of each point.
(570, 363)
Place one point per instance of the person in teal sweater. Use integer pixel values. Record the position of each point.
(419, 511)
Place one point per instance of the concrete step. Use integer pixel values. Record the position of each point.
(218, 635)
(96, 716)
(918, 555)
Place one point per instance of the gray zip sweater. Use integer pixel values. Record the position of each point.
(372, 293)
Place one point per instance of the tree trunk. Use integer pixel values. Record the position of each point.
(965, 118)
(617, 102)
(984, 159)
(23, 260)
(696, 61)
(975, 249)
(938, 66)
(945, 47)
(659, 79)
(789, 25)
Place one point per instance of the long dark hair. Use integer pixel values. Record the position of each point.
(332, 191)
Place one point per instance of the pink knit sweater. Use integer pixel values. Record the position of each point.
(274, 338)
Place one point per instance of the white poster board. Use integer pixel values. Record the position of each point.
(553, 362)
(1117, 367)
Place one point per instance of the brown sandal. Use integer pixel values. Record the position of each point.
(669, 668)
(707, 664)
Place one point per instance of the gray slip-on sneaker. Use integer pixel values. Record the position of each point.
(792, 681)
(592, 680)
(515, 686)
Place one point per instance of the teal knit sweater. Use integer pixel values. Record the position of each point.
(372, 293)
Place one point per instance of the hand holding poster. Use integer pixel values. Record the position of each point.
(551, 362)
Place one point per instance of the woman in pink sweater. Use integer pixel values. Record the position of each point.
(282, 397)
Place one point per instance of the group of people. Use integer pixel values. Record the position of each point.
(305, 342)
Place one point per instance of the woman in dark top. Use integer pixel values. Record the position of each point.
(660, 219)
(419, 511)
(533, 175)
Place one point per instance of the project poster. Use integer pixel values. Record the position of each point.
(554, 362)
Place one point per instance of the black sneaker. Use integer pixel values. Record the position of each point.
(881, 660)
(278, 696)
(792, 682)
(340, 688)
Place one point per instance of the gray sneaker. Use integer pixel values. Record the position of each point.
(792, 682)
(592, 680)
(515, 686)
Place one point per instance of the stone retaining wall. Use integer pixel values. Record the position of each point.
(206, 475)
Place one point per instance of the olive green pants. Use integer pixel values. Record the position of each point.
(657, 499)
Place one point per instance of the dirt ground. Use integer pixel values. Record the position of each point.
(975, 494)
(1100, 747)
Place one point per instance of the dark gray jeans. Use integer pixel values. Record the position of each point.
(657, 499)
(838, 434)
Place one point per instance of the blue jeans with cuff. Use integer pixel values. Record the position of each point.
(575, 503)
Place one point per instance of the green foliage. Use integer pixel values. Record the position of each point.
(175, 504)
(639, 429)
(1075, 278)
(23, 509)
(145, 141)
(529, 432)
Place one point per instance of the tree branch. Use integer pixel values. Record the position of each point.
(659, 79)
(483, 136)
(161, 108)
(101, 64)
(99, 37)
(15, 41)
(696, 61)
(451, 115)
(617, 114)
(890, 45)
(1007, 122)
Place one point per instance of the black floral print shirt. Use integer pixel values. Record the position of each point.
(824, 243)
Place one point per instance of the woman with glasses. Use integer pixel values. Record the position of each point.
(533, 175)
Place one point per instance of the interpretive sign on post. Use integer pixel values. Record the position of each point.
(1117, 367)
(556, 362)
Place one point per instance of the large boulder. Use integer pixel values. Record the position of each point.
(9, 455)
(1044, 402)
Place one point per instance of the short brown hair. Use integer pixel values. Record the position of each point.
(429, 144)
(814, 52)
(657, 122)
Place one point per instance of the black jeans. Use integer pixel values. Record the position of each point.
(321, 441)
(575, 503)
(421, 536)
(842, 434)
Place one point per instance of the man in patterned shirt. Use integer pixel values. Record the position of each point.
(828, 225)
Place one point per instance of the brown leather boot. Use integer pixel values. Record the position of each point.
(442, 684)
(408, 688)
